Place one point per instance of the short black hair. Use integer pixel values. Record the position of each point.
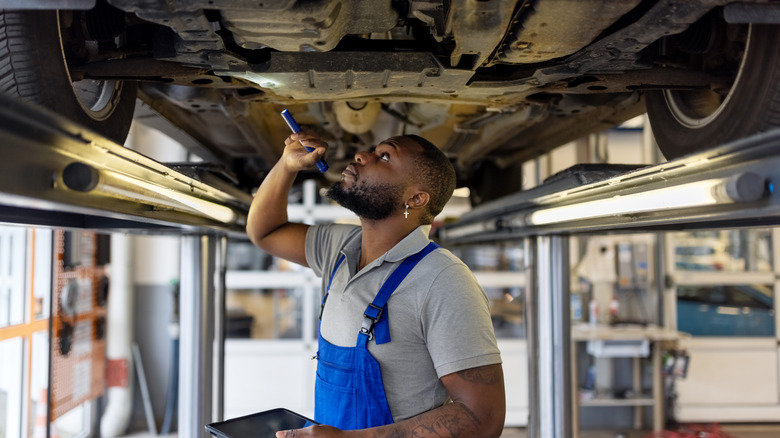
(434, 172)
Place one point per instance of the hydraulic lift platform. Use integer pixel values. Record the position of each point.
(727, 187)
(56, 174)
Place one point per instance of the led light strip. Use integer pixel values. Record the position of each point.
(85, 178)
(744, 187)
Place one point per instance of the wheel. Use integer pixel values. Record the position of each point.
(36, 48)
(747, 57)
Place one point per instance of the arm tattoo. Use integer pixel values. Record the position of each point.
(457, 420)
(448, 421)
(482, 375)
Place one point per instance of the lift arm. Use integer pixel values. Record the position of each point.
(55, 173)
(730, 186)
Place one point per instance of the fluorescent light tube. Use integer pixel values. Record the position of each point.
(744, 187)
(170, 198)
(85, 178)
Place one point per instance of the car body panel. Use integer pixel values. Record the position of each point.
(738, 310)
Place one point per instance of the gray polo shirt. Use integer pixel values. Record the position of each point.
(438, 316)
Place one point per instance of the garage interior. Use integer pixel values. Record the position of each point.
(630, 322)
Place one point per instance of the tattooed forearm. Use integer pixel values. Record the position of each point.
(453, 420)
(470, 413)
(477, 410)
(447, 425)
(482, 375)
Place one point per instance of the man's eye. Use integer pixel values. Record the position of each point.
(384, 156)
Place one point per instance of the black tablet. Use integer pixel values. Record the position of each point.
(260, 425)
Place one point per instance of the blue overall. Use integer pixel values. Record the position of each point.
(349, 393)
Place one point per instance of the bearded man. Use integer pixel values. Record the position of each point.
(406, 344)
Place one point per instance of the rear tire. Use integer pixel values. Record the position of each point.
(687, 121)
(33, 67)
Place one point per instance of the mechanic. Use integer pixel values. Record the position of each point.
(422, 363)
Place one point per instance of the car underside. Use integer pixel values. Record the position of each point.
(492, 83)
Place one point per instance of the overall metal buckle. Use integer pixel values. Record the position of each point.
(368, 322)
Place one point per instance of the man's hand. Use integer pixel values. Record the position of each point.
(267, 225)
(321, 431)
(296, 158)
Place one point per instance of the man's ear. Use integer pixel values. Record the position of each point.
(419, 200)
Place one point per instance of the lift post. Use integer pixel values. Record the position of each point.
(202, 345)
(548, 338)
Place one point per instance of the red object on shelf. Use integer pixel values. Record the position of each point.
(686, 430)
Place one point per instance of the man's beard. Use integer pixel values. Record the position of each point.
(369, 201)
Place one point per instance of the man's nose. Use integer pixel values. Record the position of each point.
(360, 157)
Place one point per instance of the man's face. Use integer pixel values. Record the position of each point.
(373, 187)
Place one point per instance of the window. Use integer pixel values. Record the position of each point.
(11, 386)
(39, 381)
(12, 270)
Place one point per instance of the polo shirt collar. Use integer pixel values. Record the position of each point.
(413, 243)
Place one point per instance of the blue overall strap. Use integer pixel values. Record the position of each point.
(327, 291)
(373, 322)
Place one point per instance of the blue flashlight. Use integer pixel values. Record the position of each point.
(321, 164)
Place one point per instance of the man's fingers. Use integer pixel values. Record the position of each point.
(286, 434)
(307, 141)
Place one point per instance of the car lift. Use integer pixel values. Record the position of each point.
(56, 174)
(729, 186)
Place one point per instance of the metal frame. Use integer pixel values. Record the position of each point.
(507, 218)
(547, 312)
(202, 346)
(548, 339)
(38, 146)
(120, 189)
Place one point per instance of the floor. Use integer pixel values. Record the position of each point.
(729, 431)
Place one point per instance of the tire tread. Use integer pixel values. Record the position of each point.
(32, 68)
(18, 75)
(755, 106)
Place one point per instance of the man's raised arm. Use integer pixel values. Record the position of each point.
(267, 224)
